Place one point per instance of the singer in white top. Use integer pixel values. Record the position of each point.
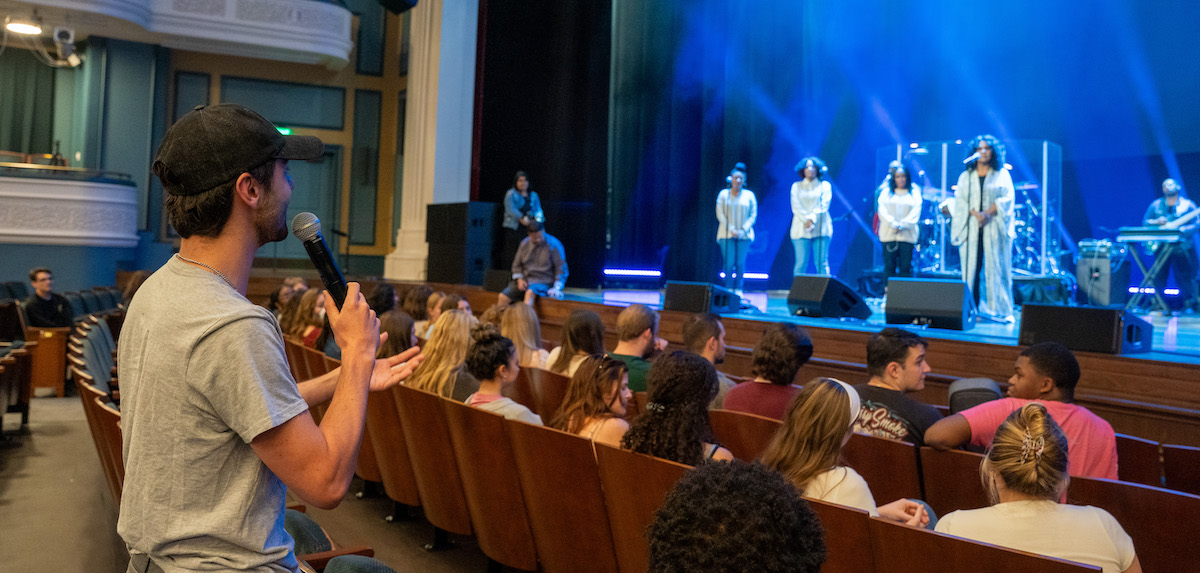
(899, 214)
(215, 430)
(811, 226)
(982, 227)
(736, 211)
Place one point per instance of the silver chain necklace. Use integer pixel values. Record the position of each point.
(219, 273)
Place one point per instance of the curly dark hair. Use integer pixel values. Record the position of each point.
(382, 298)
(997, 151)
(735, 517)
(1057, 362)
(488, 352)
(675, 424)
(205, 214)
(778, 356)
(822, 169)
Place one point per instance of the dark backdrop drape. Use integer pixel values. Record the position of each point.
(26, 106)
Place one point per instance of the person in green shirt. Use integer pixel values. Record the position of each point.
(637, 339)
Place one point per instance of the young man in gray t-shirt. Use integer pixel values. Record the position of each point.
(215, 429)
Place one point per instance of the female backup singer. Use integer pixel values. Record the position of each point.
(982, 227)
(521, 207)
(736, 211)
(811, 226)
(899, 212)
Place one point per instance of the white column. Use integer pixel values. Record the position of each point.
(438, 124)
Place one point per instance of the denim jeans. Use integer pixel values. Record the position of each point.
(818, 248)
(733, 252)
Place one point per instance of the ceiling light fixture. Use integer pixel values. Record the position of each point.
(30, 27)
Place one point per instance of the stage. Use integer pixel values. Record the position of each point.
(1176, 338)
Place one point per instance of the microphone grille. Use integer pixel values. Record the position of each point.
(306, 226)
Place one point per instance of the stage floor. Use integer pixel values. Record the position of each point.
(1176, 338)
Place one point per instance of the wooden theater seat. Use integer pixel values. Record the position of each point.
(847, 537)
(436, 471)
(108, 422)
(1161, 522)
(391, 451)
(889, 466)
(542, 391)
(1181, 467)
(951, 480)
(635, 486)
(567, 512)
(744, 435)
(1138, 461)
(899, 548)
(490, 483)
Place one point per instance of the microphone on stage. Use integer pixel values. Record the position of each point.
(973, 157)
(307, 228)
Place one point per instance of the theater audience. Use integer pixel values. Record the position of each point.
(896, 366)
(1025, 474)
(807, 451)
(637, 339)
(45, 308)
(704, 334)
(492, 360)
(582, 336)
(433, 308)
(596, 401)
(399, 327)
(1046, 373)
(780, 353)
(493, 314)
(443, 372)
(382, 297)
(520, 324)
(413, 301)
(455, 302)
(309, 319)
(735, 517)
(675, 424)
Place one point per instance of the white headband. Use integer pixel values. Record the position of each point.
(855, 402)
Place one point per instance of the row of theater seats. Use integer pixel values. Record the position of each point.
(539, 499)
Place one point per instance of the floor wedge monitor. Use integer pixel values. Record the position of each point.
(1090, 329)
(823, 295)
(940, 303)
(700, 297)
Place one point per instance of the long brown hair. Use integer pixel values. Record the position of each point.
(306, 313)
(444, 353)
(519, 323)
(399, 326)
(1029, 452)
(583, 331)
(587, 393)
(810, 441)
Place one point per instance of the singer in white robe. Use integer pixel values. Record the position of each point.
(995, 296)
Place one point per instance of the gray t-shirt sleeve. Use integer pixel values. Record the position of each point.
(240, 369)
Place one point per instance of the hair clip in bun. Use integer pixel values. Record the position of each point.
(1032, 448)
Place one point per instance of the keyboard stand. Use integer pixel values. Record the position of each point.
(1161, 257)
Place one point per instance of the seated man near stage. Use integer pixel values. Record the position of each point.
(704, 334)
(896, 366)
(1045, 373)
(1170, 210)
(43, 308)
(540, 268)
(637, 340)
(783, 349)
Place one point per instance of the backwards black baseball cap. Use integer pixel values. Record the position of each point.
(214, 144)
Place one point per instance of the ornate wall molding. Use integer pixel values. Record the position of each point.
(56, 212)
(300, 31)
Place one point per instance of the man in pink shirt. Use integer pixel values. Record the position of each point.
(1046, 373)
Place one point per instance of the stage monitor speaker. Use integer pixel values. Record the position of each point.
(940, 303)
(398, 6)
(823, 295)
(1089, 329)
(700, 297)
(1101, 283)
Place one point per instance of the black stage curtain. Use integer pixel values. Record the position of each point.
(543, 102)
(26, 104)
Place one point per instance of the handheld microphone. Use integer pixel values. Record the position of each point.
(973, 157)
(307, 228)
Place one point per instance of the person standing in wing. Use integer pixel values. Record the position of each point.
(737, 208)
(982, 226)
(1165, 210)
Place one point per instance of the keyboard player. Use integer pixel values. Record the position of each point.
(1166, 211)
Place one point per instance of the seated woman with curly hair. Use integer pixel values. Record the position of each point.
(582, 336)
(735, 517)
(777, 357)
(675, 424)
(808, 447)
(596, 402)
(1025, 474)
(492, 360)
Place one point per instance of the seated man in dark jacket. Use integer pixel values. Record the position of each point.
(44, 308)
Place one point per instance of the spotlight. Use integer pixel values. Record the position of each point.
(914, 145)
(31, 27)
